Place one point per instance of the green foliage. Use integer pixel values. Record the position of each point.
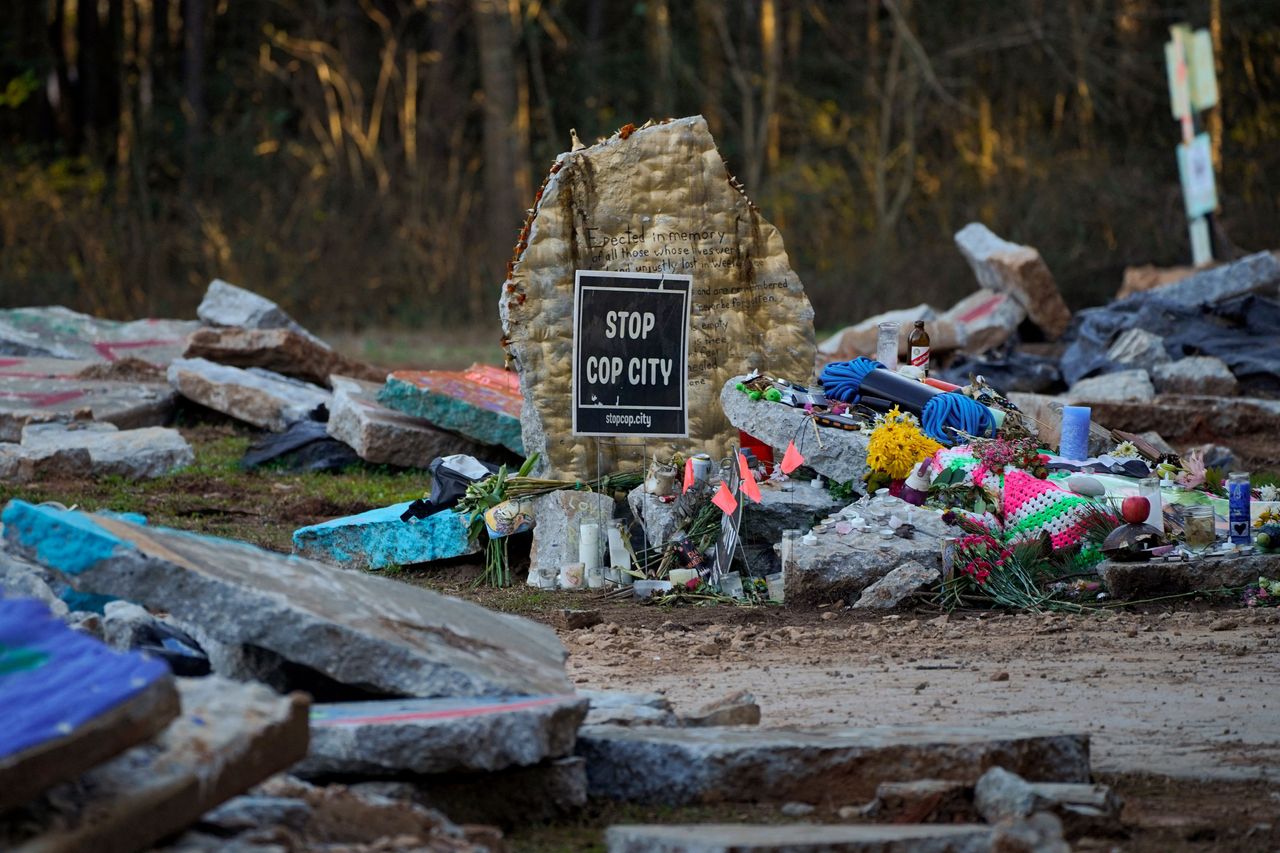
(19, 89)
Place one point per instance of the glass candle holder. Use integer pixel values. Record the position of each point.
(1198, 523)
(1074, 443)
(1149, 488)
(887, 345)
(1240, 517)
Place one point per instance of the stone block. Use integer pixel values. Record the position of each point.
(1124, 386)
(21, 579)
(664, 190)
(841, 566)
(650, 764)
(557, 518)
(985, 318)
(1257, 273)
(516, 796)
(1083, 809)
(228, 738)
(227, 305)
(798, 508)
(59, 332)
(378, 538)
(1156, 578)
(266, 400)
(841, 457)
(613, 708)
(134, 454)
(44, 390)
(895, 587)
(657, 517)
(386, 437)
(283, 351)
(428, 736)
(1018, 271)
(1138, 348)
(481, 403)
(373, 634)
(738, 708)
(1198, 374)
(83, 703)
(797, 838)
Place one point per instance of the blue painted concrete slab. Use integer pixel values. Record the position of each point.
(378, 538)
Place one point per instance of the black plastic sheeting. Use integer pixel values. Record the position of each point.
(1243, 332)
(304, 446)
(1008, 371)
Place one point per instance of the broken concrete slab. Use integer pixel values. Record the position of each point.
(385, 436)
(427, 736)
(985, 318)
(798, 507)
(225, 304)
(517, 796)
(481, 403)
(797, 838)
(266, 400)
(681, 766)
(19, 465)
(21, 579)
(895, 587)
(1017, 270)
(370, 633)
(1139, 349)
(841, 566)
(228, 737)
(44, 390)
(656, 516)
(1186, 418)
(558, 517)
(133, 454)
(335, 817)
(1124, 386)
(1155, 578)
(1198, 374)
(378, 538)
(70, 702)
(283, 351)
(666, 187)
(609, 707)
(58, 332)
(860, 339)
(842, 455)
(1257, 273)
(1149, 277)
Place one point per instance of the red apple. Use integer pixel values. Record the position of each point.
(1135, 509)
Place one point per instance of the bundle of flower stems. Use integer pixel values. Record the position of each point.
(492, 491)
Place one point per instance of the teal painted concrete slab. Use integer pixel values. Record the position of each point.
(378, 538)
(482, 403)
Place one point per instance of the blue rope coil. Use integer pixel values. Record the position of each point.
(954, 411)
(842, 379)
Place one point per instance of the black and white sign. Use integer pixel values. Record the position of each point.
(631, 354)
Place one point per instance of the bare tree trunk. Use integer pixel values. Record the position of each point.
(658, 45)
(498, 81)
(771, 52)
(193, 97)
(711, 66)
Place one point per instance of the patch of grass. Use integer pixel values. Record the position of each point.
(215, 496)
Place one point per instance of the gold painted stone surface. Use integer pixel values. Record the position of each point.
(657, 199)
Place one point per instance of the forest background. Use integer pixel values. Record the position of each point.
(367, 163)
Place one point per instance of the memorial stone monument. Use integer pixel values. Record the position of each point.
(658, 199)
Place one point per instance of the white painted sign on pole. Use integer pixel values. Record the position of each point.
(1195, 168)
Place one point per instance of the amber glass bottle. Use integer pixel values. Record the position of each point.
(919, 344)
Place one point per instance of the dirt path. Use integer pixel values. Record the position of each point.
(1183, 694)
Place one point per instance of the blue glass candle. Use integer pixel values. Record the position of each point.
(1238, 517)
(1074, 443)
